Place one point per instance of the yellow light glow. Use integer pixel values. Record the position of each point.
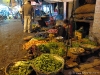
(6, 2)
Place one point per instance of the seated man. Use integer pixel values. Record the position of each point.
(64, 29)
(68, 29)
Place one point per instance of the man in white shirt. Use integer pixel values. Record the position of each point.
(27, 10)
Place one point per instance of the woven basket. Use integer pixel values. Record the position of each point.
(87, 48)
(2, 72)
(54, 72)
(7, 69)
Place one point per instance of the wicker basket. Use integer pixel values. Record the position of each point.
(7, 69)
(2, 72)
(56, 57)
(85, 46)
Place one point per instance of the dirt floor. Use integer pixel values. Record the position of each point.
(11, 41)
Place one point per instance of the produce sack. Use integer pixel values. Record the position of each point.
(87, 8)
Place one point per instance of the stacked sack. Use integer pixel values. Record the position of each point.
(86, 11)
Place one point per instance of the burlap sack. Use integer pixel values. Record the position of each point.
(87, 8)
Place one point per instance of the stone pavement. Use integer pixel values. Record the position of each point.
(88, 68)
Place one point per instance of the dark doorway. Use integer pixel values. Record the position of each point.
(85, 26)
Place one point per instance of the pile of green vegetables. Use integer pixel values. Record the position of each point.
(83, 41)
(47, 64)
(53, 48)
(75, 44)
(20, 68)
(88, 41)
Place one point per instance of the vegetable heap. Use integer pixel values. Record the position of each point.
(53, 48)
(75, 44)
(20, 68)
(47, 64)
(87, 41)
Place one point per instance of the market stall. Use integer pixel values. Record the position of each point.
(46, 51)
(49, 54)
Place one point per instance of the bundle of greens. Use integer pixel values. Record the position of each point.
(20, 68)
(53, 48)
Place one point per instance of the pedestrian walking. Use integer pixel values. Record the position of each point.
(27, 9)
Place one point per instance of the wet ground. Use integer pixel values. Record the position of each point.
(11, 41)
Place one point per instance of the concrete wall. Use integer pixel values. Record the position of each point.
(96, 23)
